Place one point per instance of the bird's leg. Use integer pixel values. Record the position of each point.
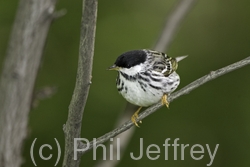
(164, 100)
(135, 116)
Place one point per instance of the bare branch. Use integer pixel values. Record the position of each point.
(187, 89)
(24, 53)
(173, 23)
(72, 129)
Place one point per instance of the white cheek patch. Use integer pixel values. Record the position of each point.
(133, 70)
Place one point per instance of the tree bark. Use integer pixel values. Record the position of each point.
(72, 129)
(24, 53)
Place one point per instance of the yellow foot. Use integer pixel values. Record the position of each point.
(164, 100)
(135, 116)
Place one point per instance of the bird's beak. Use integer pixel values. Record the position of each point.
(113, 67)
(180, 58)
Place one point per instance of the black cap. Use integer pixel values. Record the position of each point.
(131, 58)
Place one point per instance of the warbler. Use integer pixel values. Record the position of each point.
(146, 77)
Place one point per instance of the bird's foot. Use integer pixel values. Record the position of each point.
(164, 100)
(135, 117)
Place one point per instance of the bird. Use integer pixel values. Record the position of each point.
(146, 77)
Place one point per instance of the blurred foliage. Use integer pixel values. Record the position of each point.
(214, 34)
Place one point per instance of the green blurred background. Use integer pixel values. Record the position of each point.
(214, 34)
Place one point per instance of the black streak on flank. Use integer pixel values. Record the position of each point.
(144, 79)
(155, 87)
(121, 88)
(170, 83)
(142, 86)
(131, 58)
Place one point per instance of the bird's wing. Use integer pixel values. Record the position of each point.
(162, 63)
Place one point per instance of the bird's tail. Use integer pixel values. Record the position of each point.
(180, 58)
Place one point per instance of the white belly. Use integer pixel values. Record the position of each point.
(136, 95)
(145, 96)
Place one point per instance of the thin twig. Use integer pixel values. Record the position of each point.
(72, 129)
(187, 89)
(173, 24)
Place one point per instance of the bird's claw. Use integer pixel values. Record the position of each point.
(134, 120)
(135, 117)
(164, 100)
